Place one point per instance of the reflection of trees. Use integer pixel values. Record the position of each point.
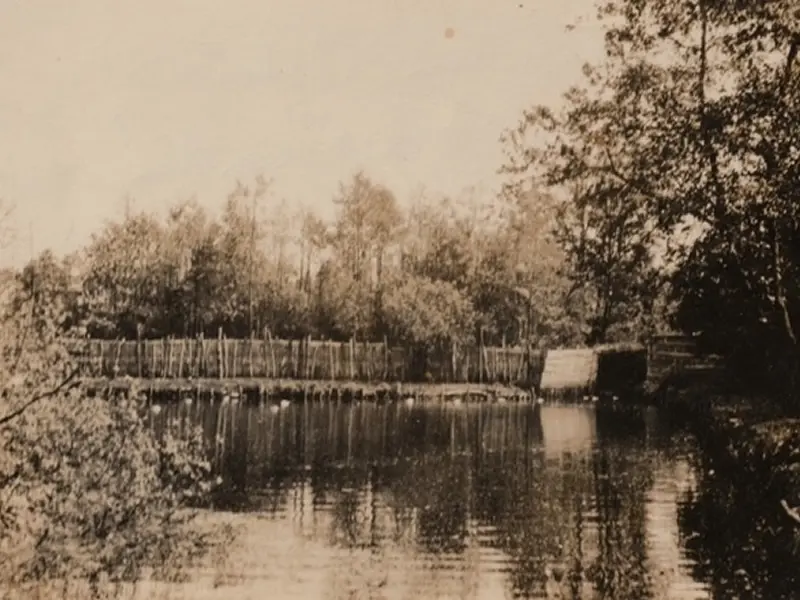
(436, 489)
(737, 538)
(515, 496)
(352, 525)
(622, 479)
(542, 510)
(428, 475)
(621, 424)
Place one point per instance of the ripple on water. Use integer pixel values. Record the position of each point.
(429, 502)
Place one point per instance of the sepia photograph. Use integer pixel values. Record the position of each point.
(399, 299)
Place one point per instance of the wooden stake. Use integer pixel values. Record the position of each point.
(115, 368)
(265, 352)
(453, 366)
(220, 355)
(233, 361)
(272, 354)
(180, 359)
(352, 358)
(139, 351)
(367, 358)
(385, 358)
(250, 349)
(312, 367)
(201, 356)
(169, 356)
(482, 359)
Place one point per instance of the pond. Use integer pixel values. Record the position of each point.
(448, 500)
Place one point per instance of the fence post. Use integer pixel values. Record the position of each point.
(115, 368)
(180, 358)
(454, 368)
(266, 352)
(480, 358)
(352, 358)
(302, 349)
(505, 360)
(235, 344)
(271, 353)
(310, 358)
(139, 351)
(250, 353)
(220, 355)
(385, 358)
(201, 355)
(366, 359)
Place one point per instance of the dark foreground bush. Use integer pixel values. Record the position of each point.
(736, 525)
(89, 497)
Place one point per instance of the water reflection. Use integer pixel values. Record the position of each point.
(468, 500)
(738, 538)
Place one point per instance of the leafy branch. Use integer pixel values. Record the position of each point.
(67, 384)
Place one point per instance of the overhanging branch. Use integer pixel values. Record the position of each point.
(794, 46)
(793, 513)
(67, 384)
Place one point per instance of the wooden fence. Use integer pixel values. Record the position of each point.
(305, 359)
(674, 352)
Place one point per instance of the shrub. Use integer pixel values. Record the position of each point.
(87, 492)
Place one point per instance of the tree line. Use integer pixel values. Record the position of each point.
(429, 272)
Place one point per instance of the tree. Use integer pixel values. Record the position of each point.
(688, 118)
(441, 243)
(553, 317)
(609, 261)
(127, 276)
(603, 225)
(88, 494)
(428, 315)
(365, 227)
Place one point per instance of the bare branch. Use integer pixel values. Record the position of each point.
(67, 384)
(780, 294)
(709, 150)
(792, 512)
(612, 169)
(794, 46)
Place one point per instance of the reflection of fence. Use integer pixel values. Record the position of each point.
(306, 359)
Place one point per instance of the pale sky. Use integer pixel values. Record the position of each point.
(162, 100)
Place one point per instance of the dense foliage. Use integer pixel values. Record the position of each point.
(679, 159)
(89, 496)
(433, 272)
(738, 534)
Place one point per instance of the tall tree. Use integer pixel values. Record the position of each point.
(367, 223)
(688, 119)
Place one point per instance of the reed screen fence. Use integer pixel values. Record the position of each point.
(309, 359)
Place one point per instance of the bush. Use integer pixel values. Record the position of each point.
(87, 493)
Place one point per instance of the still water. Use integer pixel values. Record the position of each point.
(444, 500)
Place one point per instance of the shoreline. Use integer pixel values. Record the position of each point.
(335, 389)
